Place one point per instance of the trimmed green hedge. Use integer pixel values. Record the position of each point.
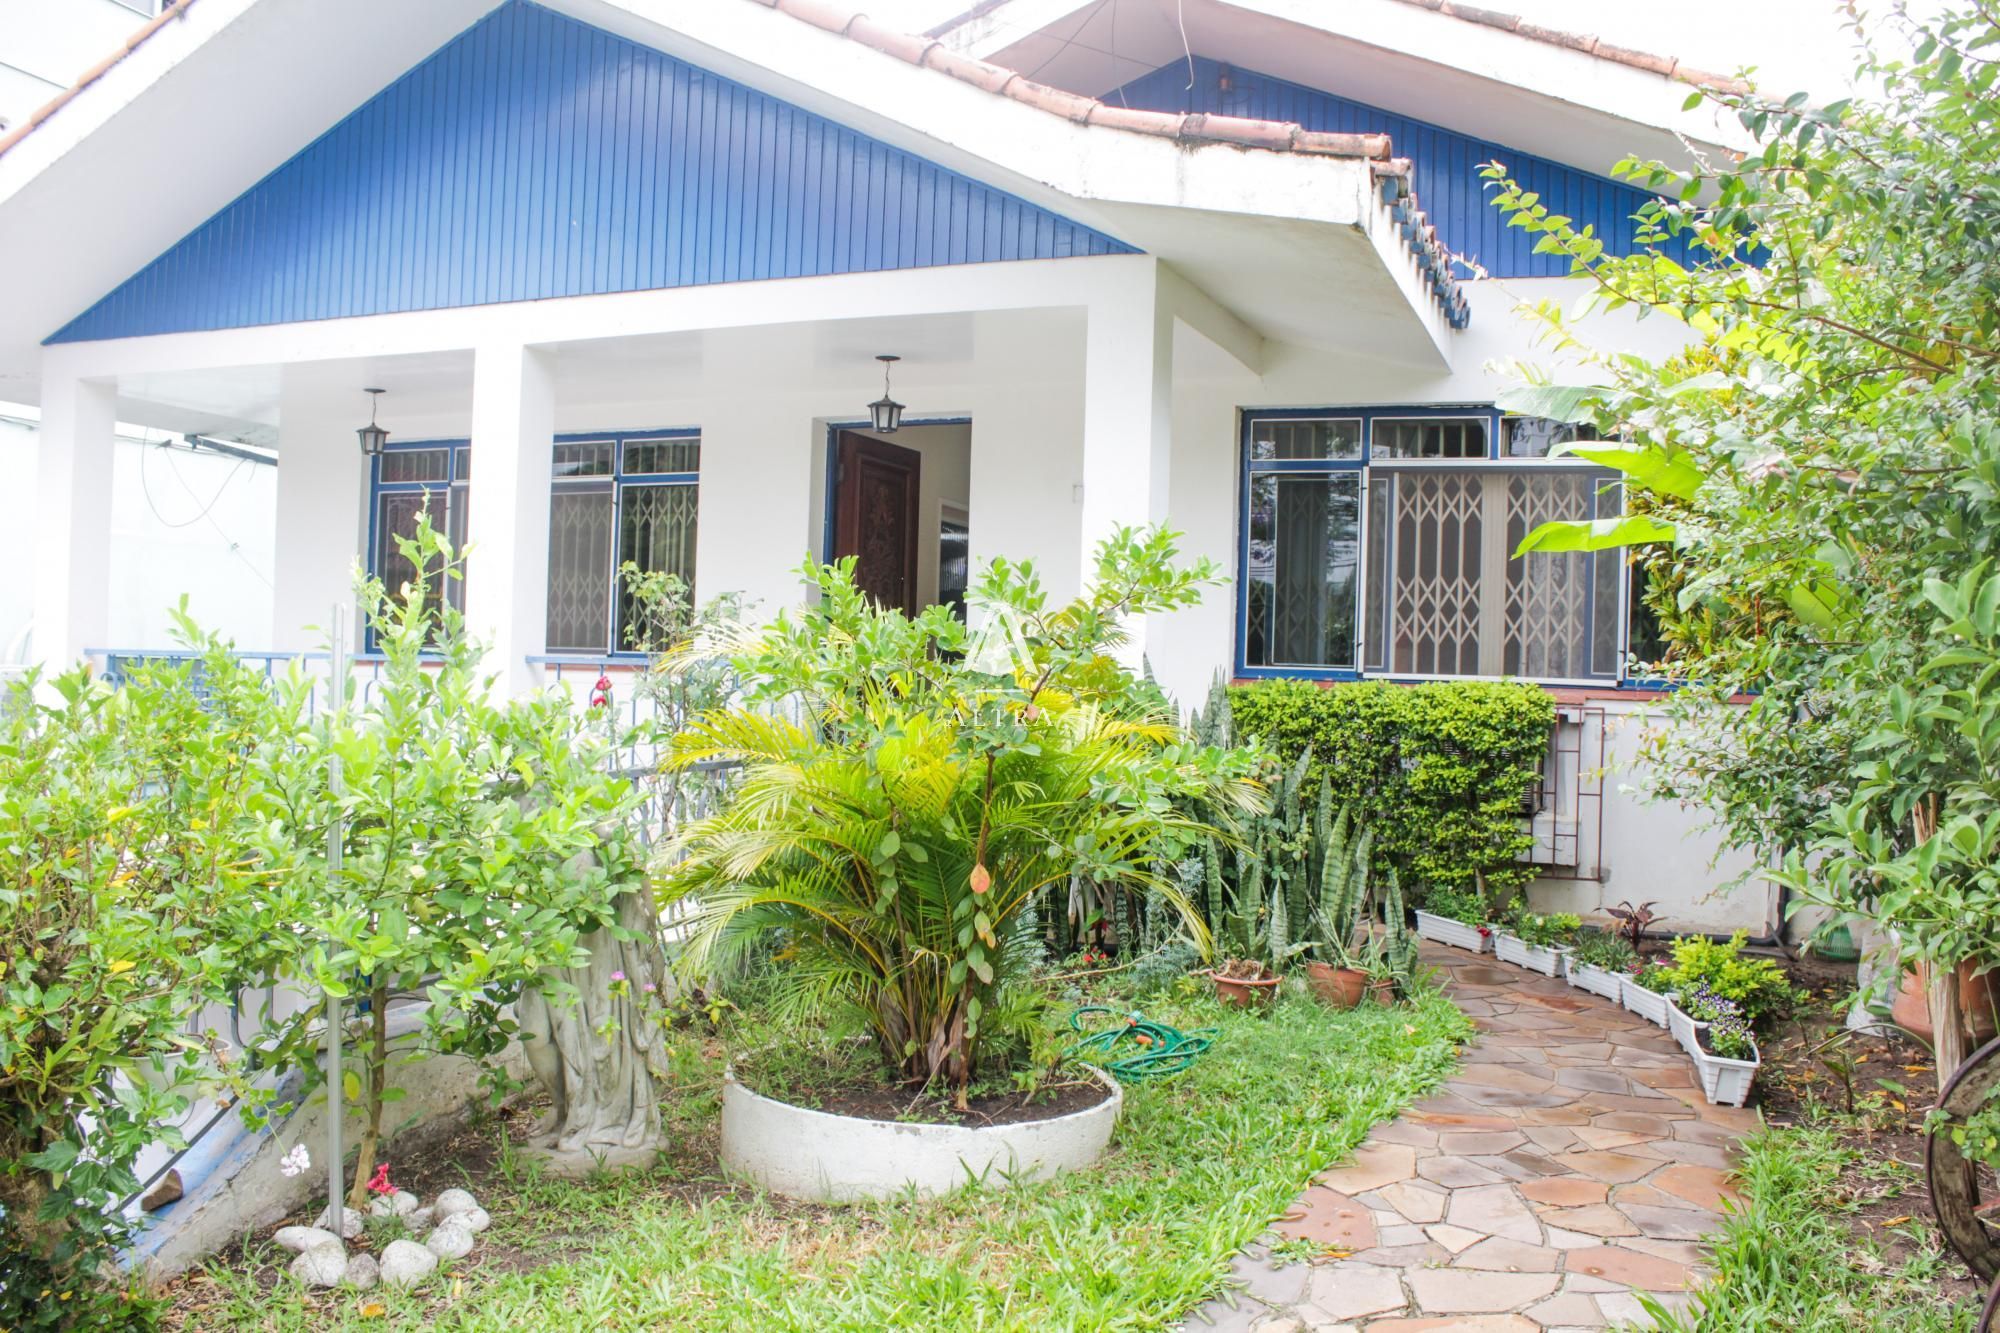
(1437, 770)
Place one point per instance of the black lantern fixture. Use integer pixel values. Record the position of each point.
(373, 437)
(885, 412)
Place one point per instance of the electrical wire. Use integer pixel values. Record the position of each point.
(234, 547)
(1070, 40)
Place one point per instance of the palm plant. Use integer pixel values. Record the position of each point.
(896, 840)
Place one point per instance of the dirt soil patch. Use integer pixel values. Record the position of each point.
(876, 1102)
(1874, 1089)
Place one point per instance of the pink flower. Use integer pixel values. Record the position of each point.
(618, 976)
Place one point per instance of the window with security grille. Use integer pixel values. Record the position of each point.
(1456, 601)
(1398, 559)
(614, 500)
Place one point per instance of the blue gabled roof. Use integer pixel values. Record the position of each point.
(534, 156)
(1444, 164)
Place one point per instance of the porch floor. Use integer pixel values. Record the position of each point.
(1570, 1165)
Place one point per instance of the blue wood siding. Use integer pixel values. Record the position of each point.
(534, 156)
(1446, 163)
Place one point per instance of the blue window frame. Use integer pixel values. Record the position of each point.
(1378, 541)
(614, 496)
(407, 479)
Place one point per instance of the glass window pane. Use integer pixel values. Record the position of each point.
(1374, 636)
(396, 514)
(656, 530)
(406, 465)
(1534, 437)
(1429, 437)
(658, 456)
(583, 460)
(579, 570)
(1289, 441)
(461, 465)
(1607, 574)
(1304, 558)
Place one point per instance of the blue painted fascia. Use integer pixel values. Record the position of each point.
(534, 156)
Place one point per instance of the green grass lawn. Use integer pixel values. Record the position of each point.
(1200, 1164)
(1788, 1260)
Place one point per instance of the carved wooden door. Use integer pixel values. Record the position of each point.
(875, 518)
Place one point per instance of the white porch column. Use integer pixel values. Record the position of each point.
(757, 519)
(1128, 417)
(322, 506)
(73, 518)
(507, 509)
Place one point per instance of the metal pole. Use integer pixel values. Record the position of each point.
(336, 833)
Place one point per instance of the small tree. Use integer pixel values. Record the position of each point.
(1815, 482)
(940, 782)
(460, 878)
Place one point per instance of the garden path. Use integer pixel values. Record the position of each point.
(1570, 1165)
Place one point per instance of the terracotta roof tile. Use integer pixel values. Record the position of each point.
(1666, 66)
(1391, 173)
(172, 10)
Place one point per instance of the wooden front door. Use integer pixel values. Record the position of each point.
(875, 518)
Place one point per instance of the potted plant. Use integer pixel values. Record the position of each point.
(1719, 1041)
(1597, 962)
(903, 840)
(1537, 940)
(1456, 917)
(1647, 989)
(1242, 982)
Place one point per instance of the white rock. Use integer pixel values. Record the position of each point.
(351, 1222)
(405, 1263)
(404, 1203)
(454, 1201)
(300, 1239)
(363, 1272)
(323, 1265)
(381, 1206)
(473, 1219)
(423, 1219)
(450, 1241)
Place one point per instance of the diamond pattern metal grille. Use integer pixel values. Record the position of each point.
(1545, 614)
(656, 533)
(579, 570)
(1439, 540)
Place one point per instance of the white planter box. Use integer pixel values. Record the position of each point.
(1683, 1027)
(1649, 1005)
(1535, 958)
(809, 1154)
(1596, 980)
(1445, 930)
(1726, 1082)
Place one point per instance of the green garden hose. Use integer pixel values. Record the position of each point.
(1156, 1050)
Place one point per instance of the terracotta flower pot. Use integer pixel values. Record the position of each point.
(1382, 992)
(1341, 987)
(1243, 992)
(1978, 997)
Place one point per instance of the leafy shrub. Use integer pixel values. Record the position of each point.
(1758, 985)
(1462, 905)
(1157, 970)
(1654, 976)
(1601, 949)
(1544, 929)
(1438, 770)
(112, 873)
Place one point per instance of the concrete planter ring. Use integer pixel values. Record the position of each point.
(808, 1154)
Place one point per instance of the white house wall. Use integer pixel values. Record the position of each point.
(206, 533)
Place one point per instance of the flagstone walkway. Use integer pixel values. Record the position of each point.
(1570, 1165)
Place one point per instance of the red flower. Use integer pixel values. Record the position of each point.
(380, 1184)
